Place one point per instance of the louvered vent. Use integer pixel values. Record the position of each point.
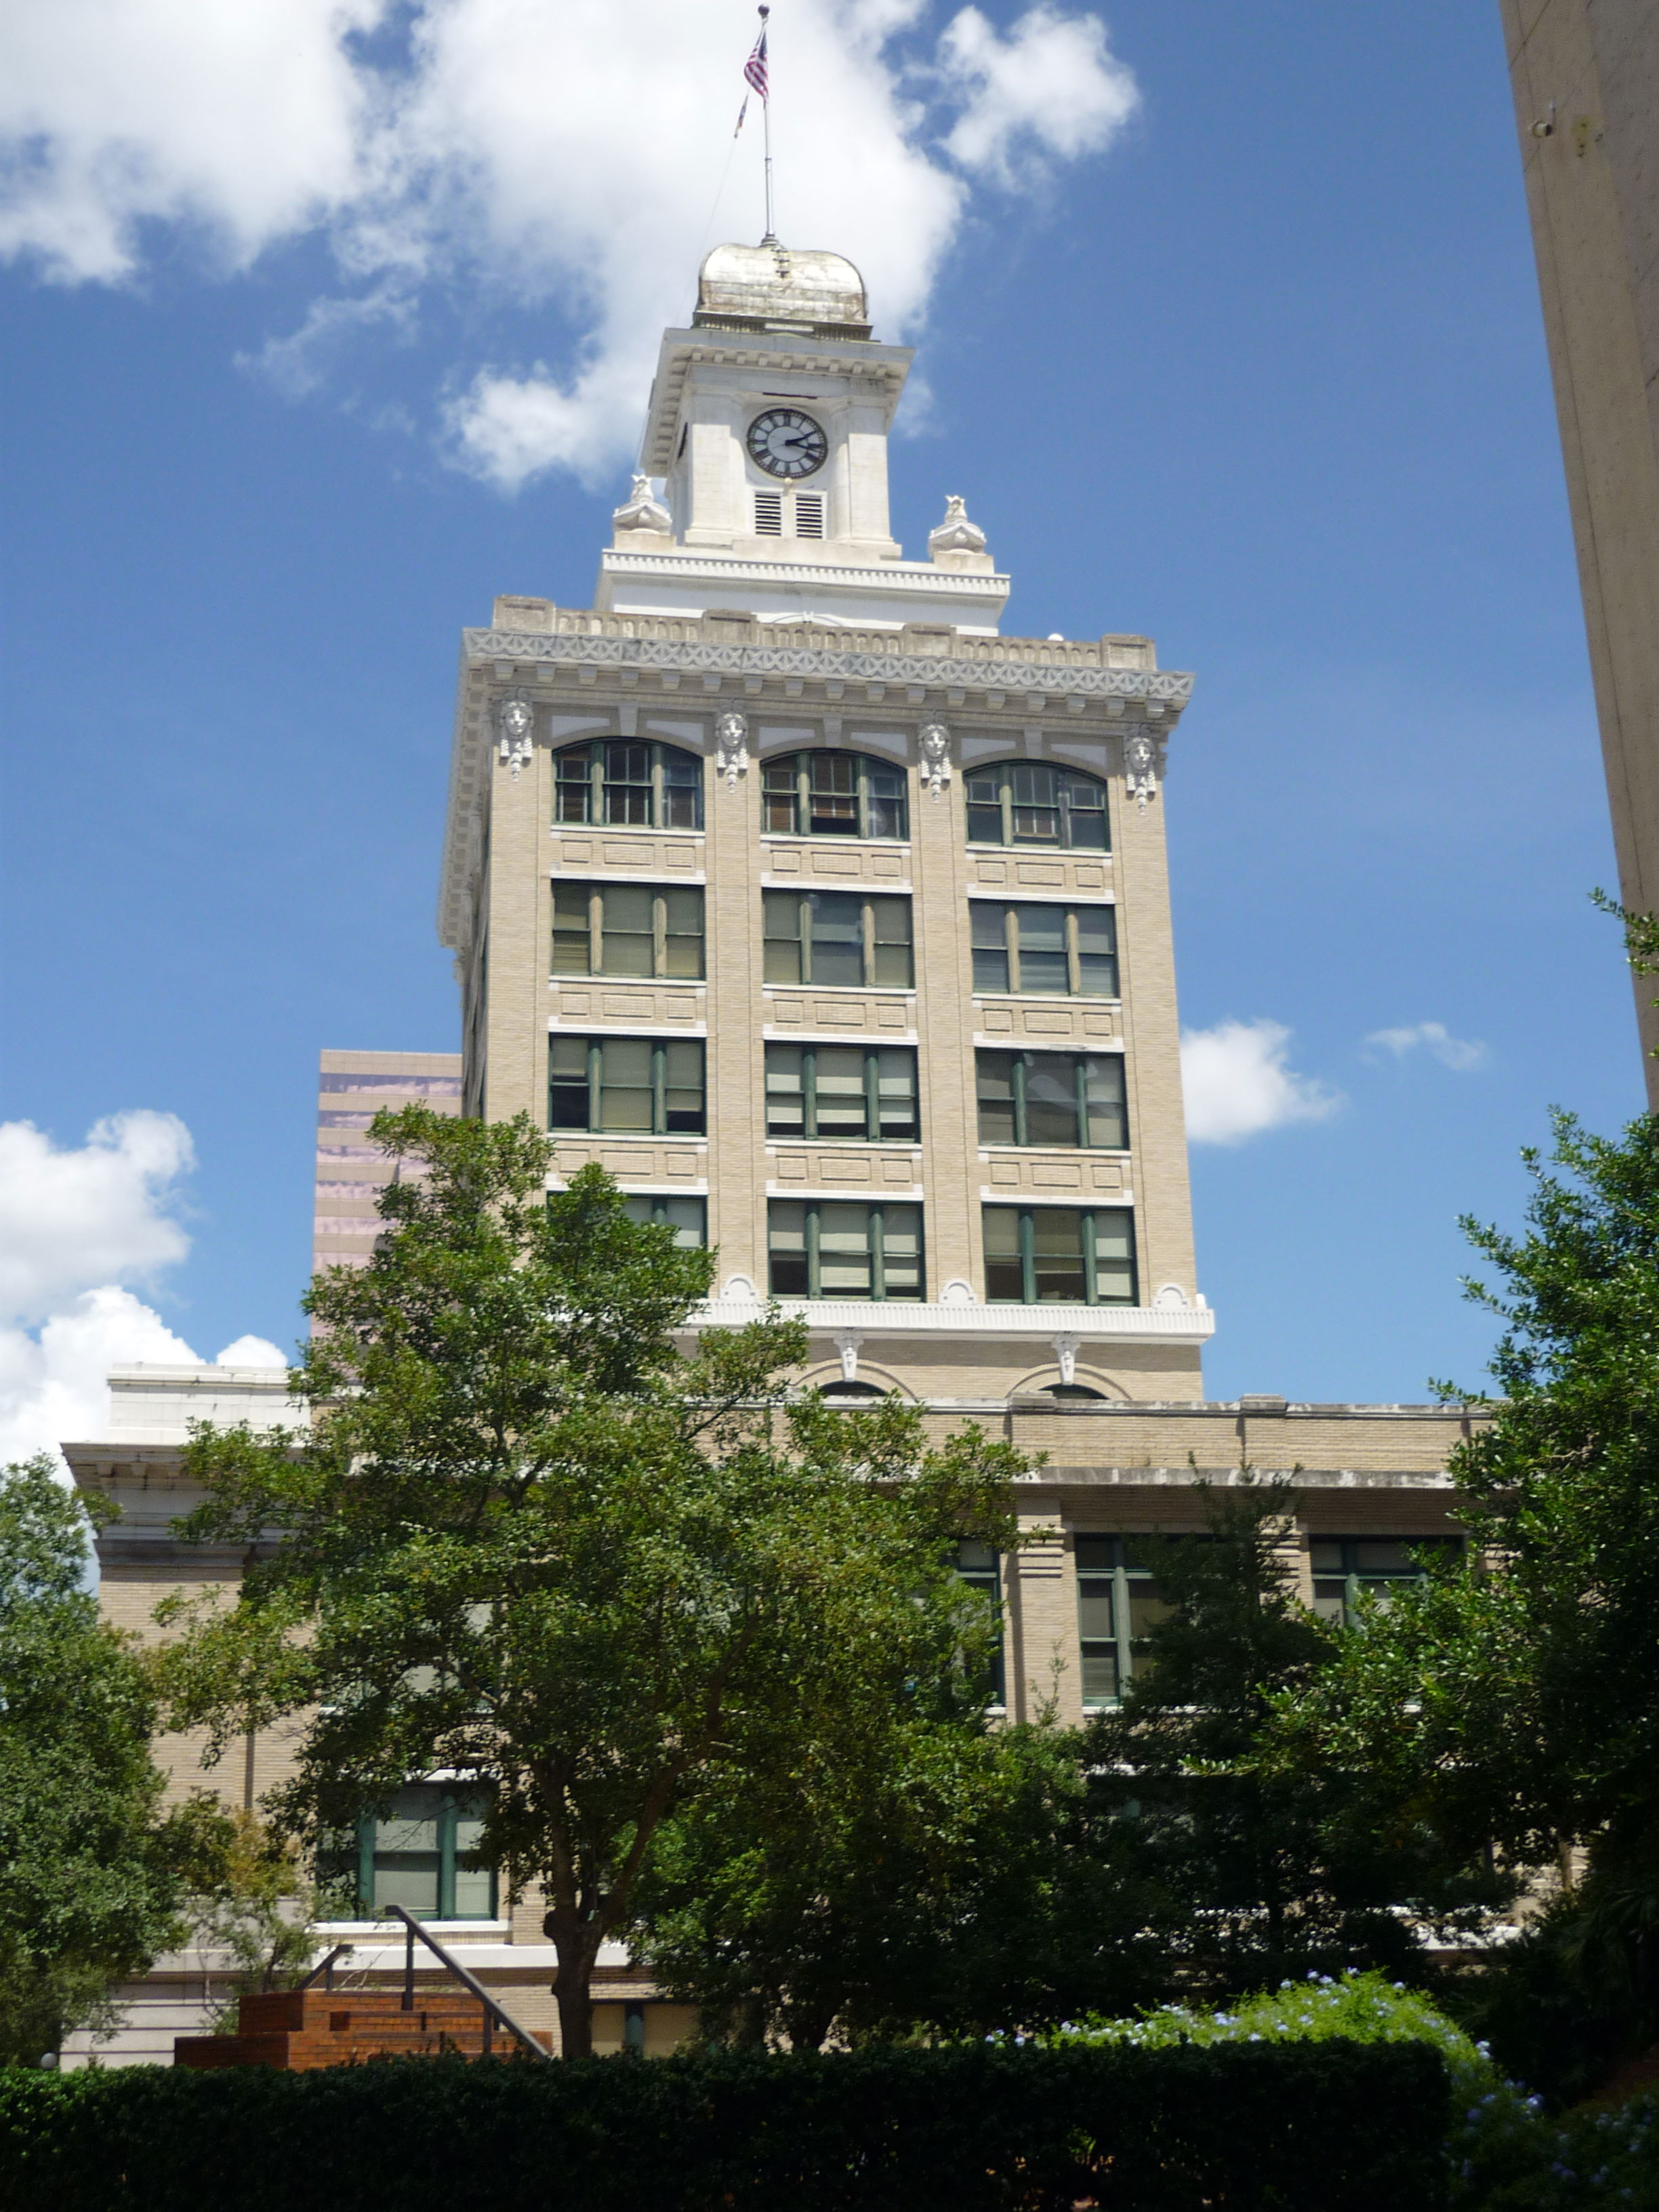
(808, 514)
(768, 514)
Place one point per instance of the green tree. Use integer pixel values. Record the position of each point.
(528, 1540)
(91, 1871)
(1257, 1863)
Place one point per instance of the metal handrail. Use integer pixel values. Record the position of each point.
(493, 2008)
(325, 1967)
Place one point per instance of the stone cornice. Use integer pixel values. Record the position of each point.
(943, 670)
(902, 578)
(896, 1317)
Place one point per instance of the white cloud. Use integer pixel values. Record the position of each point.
(575, 153)
(1458, 1053)
(78, 1224)
(1237, 1084)
(251, 1351)
(1051, 87)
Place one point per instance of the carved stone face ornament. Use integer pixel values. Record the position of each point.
(935, 741)
(1141, 766)
(731, 746)
(515, 726)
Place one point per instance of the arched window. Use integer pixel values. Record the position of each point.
(628, 782)
(1033, 803)
(850, 1394)
(833, 796)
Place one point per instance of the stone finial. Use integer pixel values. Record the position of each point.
(731, 746)
(640, 512)
(935, 740)
(516, 732)
(958, 543)
(1065, 1349)
(847, 1342)
(1141, 766)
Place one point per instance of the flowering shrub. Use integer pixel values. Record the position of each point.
(1506, 2155)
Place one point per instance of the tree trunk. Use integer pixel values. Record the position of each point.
(578, 1948)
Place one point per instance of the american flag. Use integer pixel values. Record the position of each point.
(754, 69)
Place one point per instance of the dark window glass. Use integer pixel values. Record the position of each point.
(645, 1086)
(992, 968)
(979, 1568)
(1346, 1568)
(1119, 1601)
(628, 783)
(627, 929)
(837, 938)
(833, 794)
(572, 930)
(687, 1217)
(421, 1853)
(1060, 1254)
(828, 1249)
(1035, 803)
(1032, 944)
(1052, 1098)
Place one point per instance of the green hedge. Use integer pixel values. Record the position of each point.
(1298, 2128)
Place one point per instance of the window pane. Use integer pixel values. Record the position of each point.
(1036, 803)
(1099, 1674)
(996, 1098)
(683, 1095)
(778, 807)
(571, 951)
(990, 946)
(1004, 1279)
(1095, 1554)
(841, 1110)
(833, 800)
(1147, 1607)
(896, 1092)
(627, 929)
(1330, 1602)
(783, 947)
(682, 789)
(683, 947)
(1041, 940)
(843, 1251)
(687, 1217)
(1114, 1256)
(893, 967)
(572, 789)
(1107, 1108)
(567, 1082)
(1095, 1613)
(884, 801)
(1374, 1557)
(901, 1246)
(1326, 1552)
(406, 1851)
(785, 1098)
(628, 783)
(625, 1083)
(785, 1227)
(1096, 950)
(475, 1885)
(985, 809)
(1057, 1242)
(1085, 813)
(837, 924)
(1051, 1115)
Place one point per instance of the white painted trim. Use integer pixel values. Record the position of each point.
(896, 1317)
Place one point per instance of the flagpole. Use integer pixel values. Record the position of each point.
(766, 125)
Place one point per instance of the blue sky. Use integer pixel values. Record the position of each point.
(1240, 347)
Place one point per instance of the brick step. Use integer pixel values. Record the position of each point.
(299, 2030)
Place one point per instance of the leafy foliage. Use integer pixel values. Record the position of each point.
(91, 1871)
(528, 1540)
(1299, 2127)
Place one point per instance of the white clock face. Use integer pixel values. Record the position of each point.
(786, 443)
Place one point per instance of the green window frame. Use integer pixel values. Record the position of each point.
(626, 1085)
(839, 939)
(1078, 1099)
(1345, 1568)
(979, 1568)
(627, 783)
(843, 1249)
(420, 1853)
(864, 1094)
(1026, 946)
(834, 794)
(1060, 1255)
(687, 1217)
(1119, 1601)
(629, 929)
(1026, 802)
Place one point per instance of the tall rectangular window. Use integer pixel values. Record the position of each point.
(1060, 1255)
(828, 1249)
(862, 1092)
(838, 938)
(422, 1855)
(1027, 945)
(621, 1085)
(687, 1217)
(1071, 1098)
(980, 1569)
(1119, 1602)
(627, 929)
